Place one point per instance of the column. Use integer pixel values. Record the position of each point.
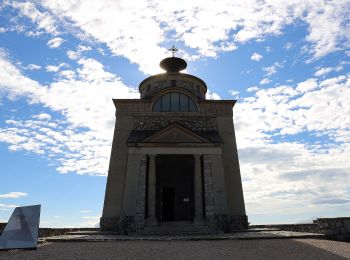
(198, 191)
(141, 194)
(208, 188)
(151, 200)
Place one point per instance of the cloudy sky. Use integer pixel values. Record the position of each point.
(286, 62)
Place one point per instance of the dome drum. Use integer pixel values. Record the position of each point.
(152, 85)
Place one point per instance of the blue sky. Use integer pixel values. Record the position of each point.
(286, 62)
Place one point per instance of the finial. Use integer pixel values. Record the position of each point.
(173, 50)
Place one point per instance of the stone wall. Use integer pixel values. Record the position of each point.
(229, 223)
(131, 106)
(217, 107)
(114, 224)
(334, 228)
(49, 232)
(134, 107)
(195, 123)
(152, 89)
(154, 84)
(307, 228)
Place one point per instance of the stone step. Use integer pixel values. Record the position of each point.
(181, 232)
(81, 232)
(260, 229)
(174, 223)
(187, 226)
(178, 228)
(171, 234)
(167, 231)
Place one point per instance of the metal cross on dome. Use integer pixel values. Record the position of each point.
(173, 50)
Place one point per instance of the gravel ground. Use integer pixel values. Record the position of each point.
(226, 249)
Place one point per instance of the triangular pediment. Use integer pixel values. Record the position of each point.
(175, 133)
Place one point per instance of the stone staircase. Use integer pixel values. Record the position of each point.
(178, 228)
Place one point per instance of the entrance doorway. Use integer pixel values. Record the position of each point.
(175, 187)
(167, 202)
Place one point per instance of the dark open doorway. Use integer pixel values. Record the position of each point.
(175, 187)
(167, 203)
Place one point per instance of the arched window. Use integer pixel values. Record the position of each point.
(174, 102)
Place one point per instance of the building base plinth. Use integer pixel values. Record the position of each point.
(111, 224)
(122, 226)
(231, 223)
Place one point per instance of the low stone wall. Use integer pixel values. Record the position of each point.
(307, 228)
(49, 232)
(334, 228)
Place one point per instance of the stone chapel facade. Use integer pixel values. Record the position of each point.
(174, 158)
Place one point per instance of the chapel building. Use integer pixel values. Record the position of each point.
(174, 158)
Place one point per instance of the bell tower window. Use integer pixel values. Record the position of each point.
(174, 102)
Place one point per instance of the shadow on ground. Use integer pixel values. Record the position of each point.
(237, 249)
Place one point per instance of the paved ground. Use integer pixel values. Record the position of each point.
(97, 236)
(221, 249)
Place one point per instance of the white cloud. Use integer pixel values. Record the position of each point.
(85, 211)
(212, 95)
(55, 42)
(74, 55)
(137, 30)
(7, 206)
(80, 142)
(272, 69)
(234, 93)
(329, 29)
(67, 74)
(307, 85)
(252, 89)
(44, 21)
(13, 195)
(32, 67)
(288, 45)
(323, 71)
(301, 175)
(53, 68)
(42, 116)
(256, 56)
(91, 217)
(265, 81)
(91, 221)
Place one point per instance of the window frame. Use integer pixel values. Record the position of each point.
(191, 106)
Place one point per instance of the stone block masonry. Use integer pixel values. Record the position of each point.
(335, 228)
(157, 122)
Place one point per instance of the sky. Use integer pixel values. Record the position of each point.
(287, 63)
